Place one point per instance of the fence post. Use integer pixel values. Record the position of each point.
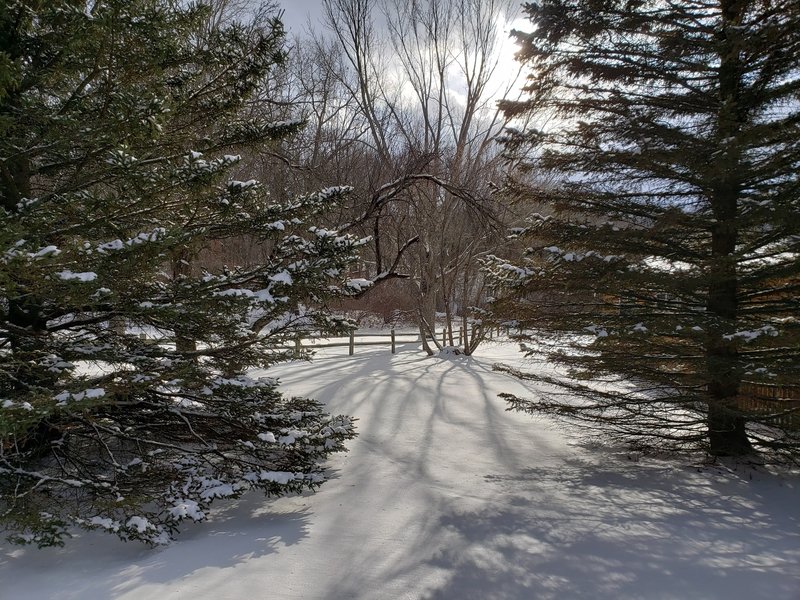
(352, 342)
(393, 340)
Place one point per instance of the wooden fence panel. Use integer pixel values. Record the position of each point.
(777, 404)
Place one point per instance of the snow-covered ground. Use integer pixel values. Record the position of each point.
(446, 495)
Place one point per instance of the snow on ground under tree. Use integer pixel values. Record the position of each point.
(445, 495)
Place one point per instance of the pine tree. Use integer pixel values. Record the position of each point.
(663, 270)
(122, 124)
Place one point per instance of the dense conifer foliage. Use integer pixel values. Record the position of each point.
(125, 402)
(663, 269)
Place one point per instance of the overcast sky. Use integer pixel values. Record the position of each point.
(297, 12)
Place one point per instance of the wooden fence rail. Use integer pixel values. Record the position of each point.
(779, 404)
(392, 340)
(351, 343)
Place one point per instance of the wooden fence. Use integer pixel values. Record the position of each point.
(392, 339)
(351, 343)
(779, 404)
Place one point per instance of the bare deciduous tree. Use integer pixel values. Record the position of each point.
(419, 84)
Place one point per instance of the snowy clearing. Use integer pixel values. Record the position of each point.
(446, 495)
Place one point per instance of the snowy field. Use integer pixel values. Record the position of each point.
(446, 495)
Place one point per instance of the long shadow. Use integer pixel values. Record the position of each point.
(583, 530)
(585, 525)
(237, 533)
(446, 412)
(374, 365)
(241, 531)
(593, 528)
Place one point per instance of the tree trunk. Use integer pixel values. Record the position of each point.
(726, 425)
(726, 429)
(466, 347)
(423, 335)
(181, 268)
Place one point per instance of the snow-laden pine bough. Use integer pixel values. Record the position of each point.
(139, 468)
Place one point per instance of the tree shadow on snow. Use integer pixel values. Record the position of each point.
(584, 530)
(237, 532)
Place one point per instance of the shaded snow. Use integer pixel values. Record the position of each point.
(445, 495)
